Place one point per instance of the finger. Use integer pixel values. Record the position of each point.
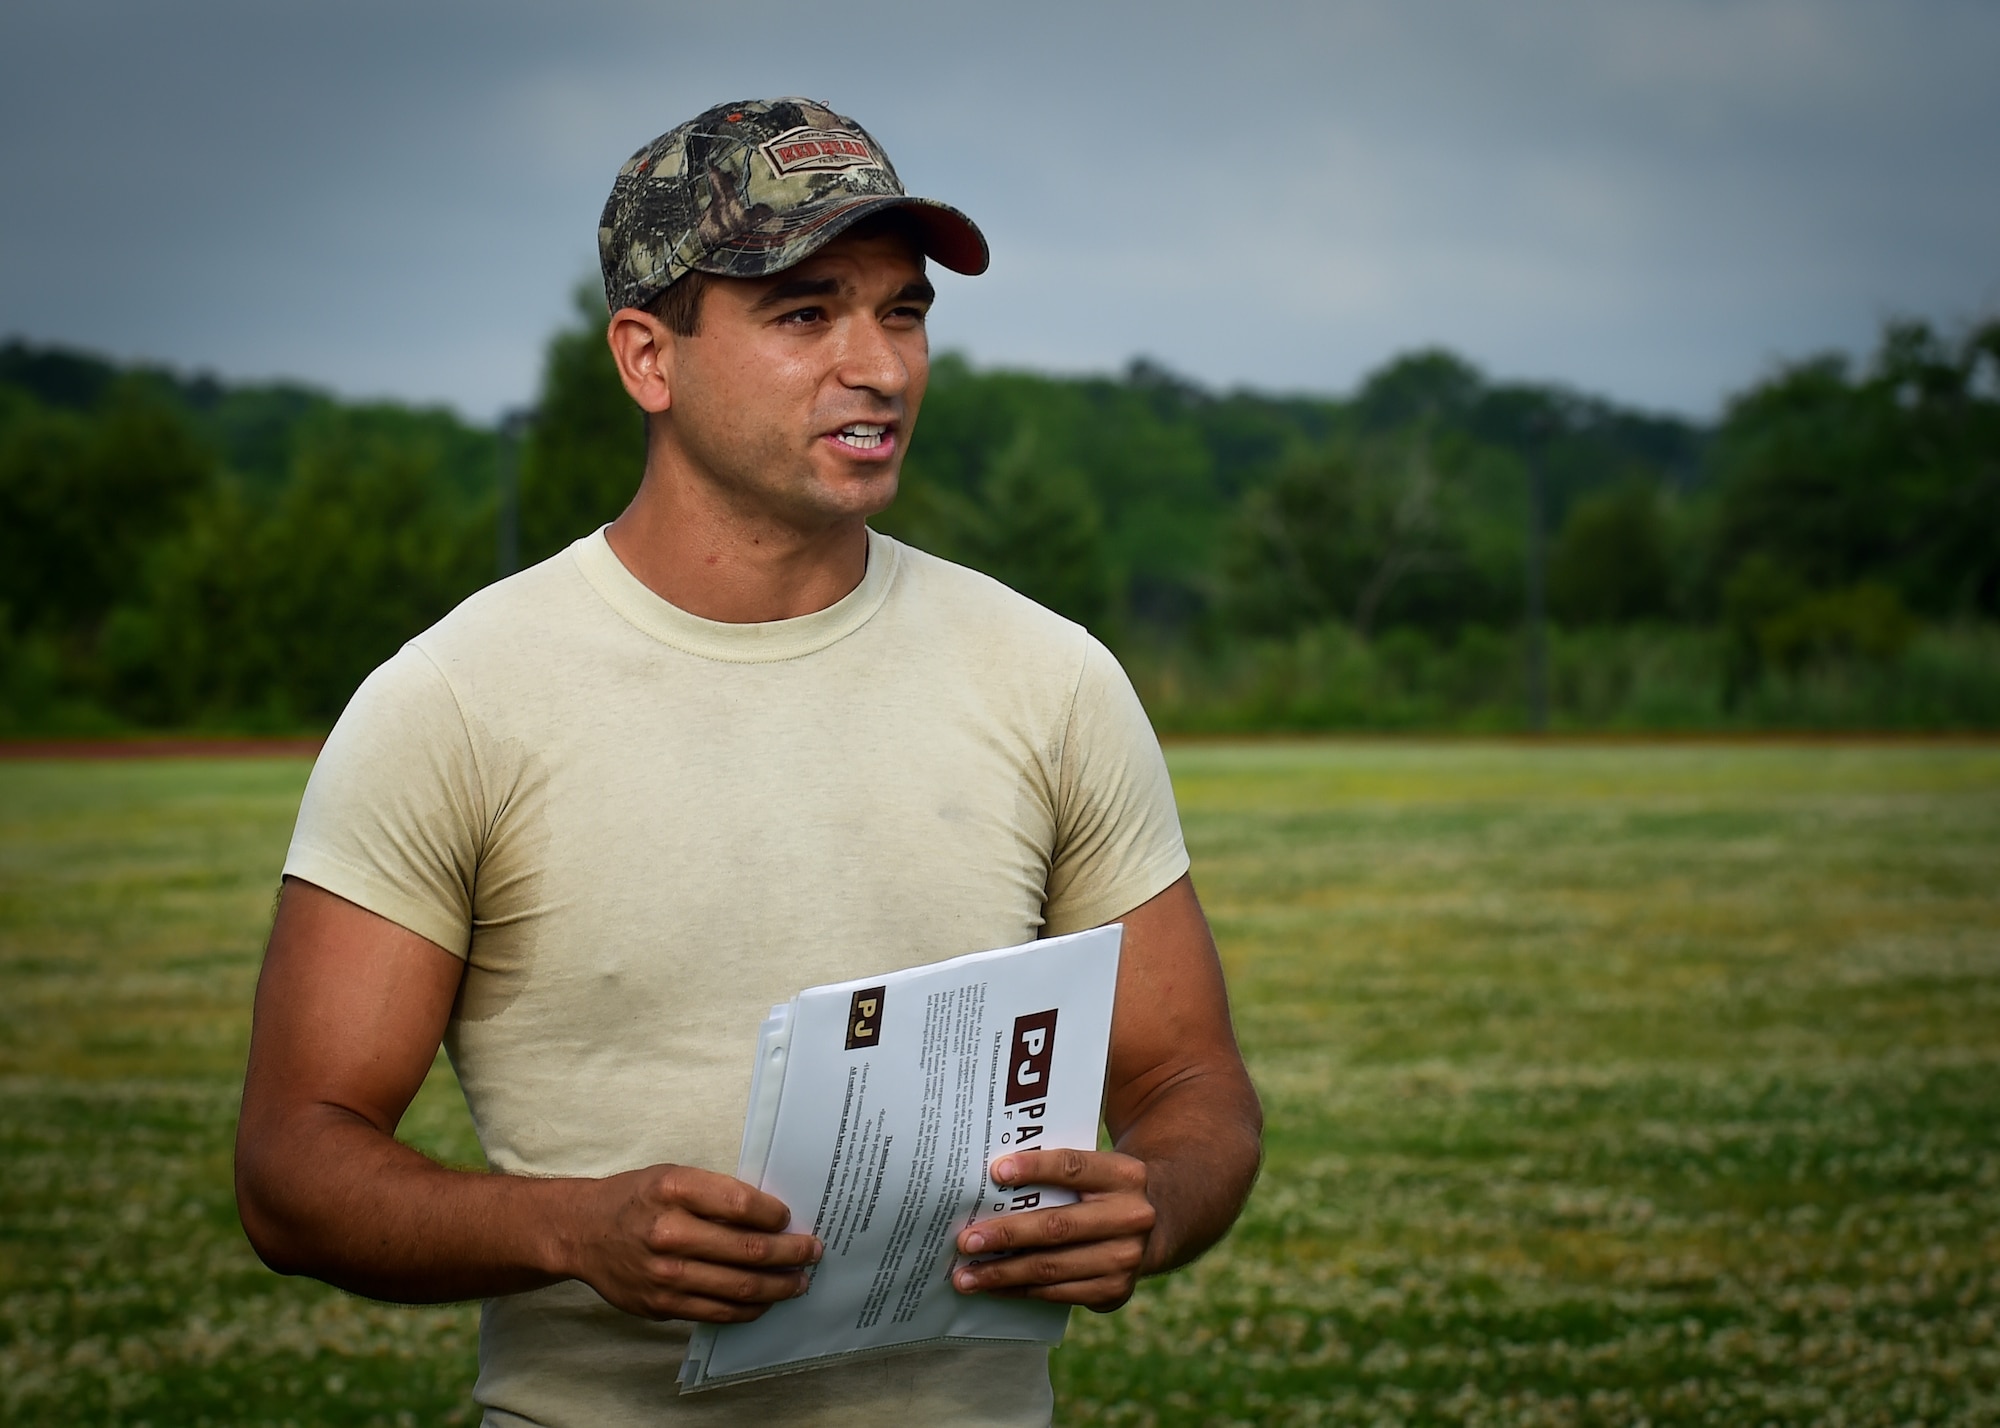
(1103, 1219)
(699, 1308)
(721, 1197)
(1102, 1294)
(1075, 1169)
(691, 1237)
(725, 1283)
(1106, 1259)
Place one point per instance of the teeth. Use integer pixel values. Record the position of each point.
(863, 435)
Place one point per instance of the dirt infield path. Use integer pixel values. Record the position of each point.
(184, 747)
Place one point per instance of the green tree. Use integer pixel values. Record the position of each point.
(1341, 533)
(1891, 475)
(583, 457)
(1609, 564)
(84, 497)
(1031, 523)
(1420, 389)
(1135, 448)
(278, 612)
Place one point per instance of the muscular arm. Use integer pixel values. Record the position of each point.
(1184, 1121)
(349, 1014)
(1177, 1095)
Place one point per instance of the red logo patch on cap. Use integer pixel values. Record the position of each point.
(808, 150)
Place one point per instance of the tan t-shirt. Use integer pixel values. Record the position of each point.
(641, 829)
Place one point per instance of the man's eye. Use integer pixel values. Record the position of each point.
(913, 314)
(803, 316)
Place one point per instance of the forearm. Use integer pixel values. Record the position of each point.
(329, 1195)
(1202, 1142)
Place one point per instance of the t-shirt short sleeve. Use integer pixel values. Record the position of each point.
(1118, 836)
(392, 817)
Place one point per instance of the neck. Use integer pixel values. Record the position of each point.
(694, 550)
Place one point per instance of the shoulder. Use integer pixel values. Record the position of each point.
(497, 648)
(996, 620)
(502, 618)
(971, 645)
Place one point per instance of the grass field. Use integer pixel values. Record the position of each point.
(1606, 1086)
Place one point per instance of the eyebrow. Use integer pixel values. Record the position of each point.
(793, 289)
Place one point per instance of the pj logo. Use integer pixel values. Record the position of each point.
(1028, 1062)
(864, 1019)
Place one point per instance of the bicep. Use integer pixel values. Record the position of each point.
(350, 1010)
(1171, 1022)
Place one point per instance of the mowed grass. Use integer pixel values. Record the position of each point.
(1606, 1085)
(134, 901)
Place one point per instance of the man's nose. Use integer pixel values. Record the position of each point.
(870, 359)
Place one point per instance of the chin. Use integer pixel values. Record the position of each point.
(863, 498)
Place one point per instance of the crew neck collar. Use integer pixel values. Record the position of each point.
(761, 643)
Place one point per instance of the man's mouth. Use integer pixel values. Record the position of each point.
(862, 435)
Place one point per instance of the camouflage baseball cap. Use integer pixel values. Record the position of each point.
(748, 189)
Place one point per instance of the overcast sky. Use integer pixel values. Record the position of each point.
(1650, 200)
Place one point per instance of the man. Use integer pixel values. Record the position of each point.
(591, 825)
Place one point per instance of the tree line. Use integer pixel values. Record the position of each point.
(182, 552)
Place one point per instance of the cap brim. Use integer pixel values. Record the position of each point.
(949, 237)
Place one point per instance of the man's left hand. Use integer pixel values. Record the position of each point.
(1089, 1253)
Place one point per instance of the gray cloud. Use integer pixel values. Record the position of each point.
(1648, 199)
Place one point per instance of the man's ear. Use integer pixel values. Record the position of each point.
(643, 348)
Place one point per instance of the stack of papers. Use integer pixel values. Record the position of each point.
(876, 1111)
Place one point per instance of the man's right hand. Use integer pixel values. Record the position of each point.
(674, 1242)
